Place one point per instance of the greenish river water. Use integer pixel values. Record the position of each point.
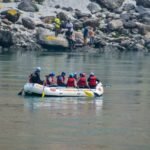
(120, 120)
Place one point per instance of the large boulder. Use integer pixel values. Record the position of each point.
(115, 24)
(110, 4)
(48, 40)
(79, 15)
(129, 24)
(27, 5)
(11, 14)
(63, 16)
(145, 3)
(28, 23)
(143, 28)
(91, 22)
(94, 7)
(6, 39)
(47, 19)
(144, 14)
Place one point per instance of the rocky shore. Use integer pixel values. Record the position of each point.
(120, 25)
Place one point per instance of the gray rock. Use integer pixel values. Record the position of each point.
(92, 22)
(138, 47)
(128, 7)
(115, 24)
(79, 15)
(11, 14)
(63, 16)
(67, 8)
(141, 10)
(6, 39)
(145, 3)
(47, 19)
(48, 40)
(94, 7)
(144, 29)
(27, 5)
(129, 24)
(28, 23)
(78, 25)
(110, 4)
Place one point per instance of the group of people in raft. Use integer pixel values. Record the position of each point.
(71, 81)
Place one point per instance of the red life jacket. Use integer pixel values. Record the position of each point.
(92, 81)
(50, 80)
(82, 82)
(71, 82)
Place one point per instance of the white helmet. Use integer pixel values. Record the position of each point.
(92, 73)
(38, 69)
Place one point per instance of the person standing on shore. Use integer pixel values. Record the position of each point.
(91, 35)
(69, 34)
(85, 34)
(57, 25)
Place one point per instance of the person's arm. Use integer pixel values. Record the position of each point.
(97, 80)
(75, 83)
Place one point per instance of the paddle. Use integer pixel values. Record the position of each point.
(20, 93)
(89, 93)
(43, 93)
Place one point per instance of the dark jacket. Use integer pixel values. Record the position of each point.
(35, 78)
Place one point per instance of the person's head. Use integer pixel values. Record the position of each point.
(52, 74)
(68, 21)
(80, 74)
(71, 75)
(63, 73)
(83, 74)
(91, 74)
(75, 74)
(38, 69)
(57, 16)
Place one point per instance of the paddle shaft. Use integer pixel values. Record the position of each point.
(20, 93)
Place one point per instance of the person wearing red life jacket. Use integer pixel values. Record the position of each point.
(82, 82)
(61, 79)
(71, 82)
(92, 80)
(50, 79)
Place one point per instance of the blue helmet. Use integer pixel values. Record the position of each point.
(80, 74)
(52, 74)
(63, 73)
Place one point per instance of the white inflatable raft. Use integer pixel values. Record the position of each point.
(37, 89)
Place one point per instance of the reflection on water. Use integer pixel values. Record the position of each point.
(117, 121)
(63, 103)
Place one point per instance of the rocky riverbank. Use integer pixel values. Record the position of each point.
(120, 25)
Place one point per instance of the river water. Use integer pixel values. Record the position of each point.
(120, 120)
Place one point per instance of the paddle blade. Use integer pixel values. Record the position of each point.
(89, 93)
(20, 93)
